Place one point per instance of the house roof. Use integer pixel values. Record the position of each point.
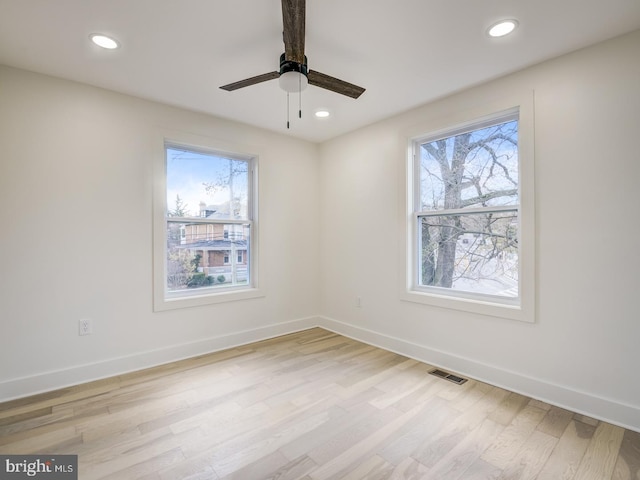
(405, 53)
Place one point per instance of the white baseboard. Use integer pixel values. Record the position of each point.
(54, 380)
(608, 410)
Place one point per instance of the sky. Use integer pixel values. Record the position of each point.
(188, 170)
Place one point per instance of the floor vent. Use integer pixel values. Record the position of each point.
(448, 376)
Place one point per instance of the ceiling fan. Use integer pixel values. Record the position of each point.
(294, 74)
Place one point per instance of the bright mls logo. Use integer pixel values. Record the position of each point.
(49, 467)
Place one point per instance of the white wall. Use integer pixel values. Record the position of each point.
(583, 351)
(76, 168)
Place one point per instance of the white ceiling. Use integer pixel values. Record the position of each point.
(404, 52)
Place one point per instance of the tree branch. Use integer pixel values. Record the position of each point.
(488, 196)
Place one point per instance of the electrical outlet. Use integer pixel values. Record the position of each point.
(85, 327)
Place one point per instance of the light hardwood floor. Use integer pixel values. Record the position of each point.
(312, 405)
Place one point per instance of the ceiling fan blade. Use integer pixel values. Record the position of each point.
(334, 84)
(293, 20)
(251, 81)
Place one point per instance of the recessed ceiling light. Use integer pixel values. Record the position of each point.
(502, 28)
(322, 113)
(104, 41)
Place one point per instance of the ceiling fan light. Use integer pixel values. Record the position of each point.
(293, 82)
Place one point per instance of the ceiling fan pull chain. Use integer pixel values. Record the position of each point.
(300, 93)
(287, 110)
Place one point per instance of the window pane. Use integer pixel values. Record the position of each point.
(206, 185)
(475, 253)
(201, 256)
(473, 169)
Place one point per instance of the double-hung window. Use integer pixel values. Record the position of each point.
(466, 218)
(205, 248)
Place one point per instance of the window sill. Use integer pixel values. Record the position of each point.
(480, 307)
(198, 299)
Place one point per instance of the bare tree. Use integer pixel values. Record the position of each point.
(238, 170)
(467, 171)
(227, 181)
(180, 268)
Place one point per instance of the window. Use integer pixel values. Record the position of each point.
(469, 238)
(205, 249)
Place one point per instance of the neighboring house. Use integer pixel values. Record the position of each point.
(222, 247)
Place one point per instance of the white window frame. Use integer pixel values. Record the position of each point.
(163, 300)
(521, 308)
